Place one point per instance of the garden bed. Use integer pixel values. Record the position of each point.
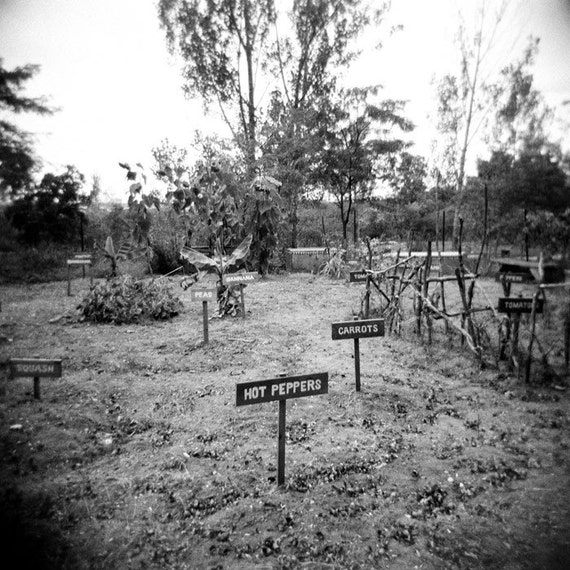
(139, 458)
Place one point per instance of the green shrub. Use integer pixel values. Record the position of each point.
(167, 236)
(46, 262)
(123, 300)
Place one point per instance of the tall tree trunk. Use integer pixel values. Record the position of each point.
(463, 156)
(251, 118)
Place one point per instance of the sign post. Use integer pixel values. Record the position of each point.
(81, 259)
(357, 276)
(240, 279)
(281, 389)
(356, 330)
(35, 368)
(519, 305)
(204, 295)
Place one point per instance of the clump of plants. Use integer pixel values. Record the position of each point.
(228, 297)
(335, 266)
(123, 300)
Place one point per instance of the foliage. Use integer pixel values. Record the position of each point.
(128, 250)
(360, 135)
(51, 212)
(262, 220)
(335, 266)
(122, 300)
(518, 124)
(461, 97)
(550, 232)
(221, 264)
(166, 237)
(17, 157)
(39, 264)
(228, 301)
(213, 39)
(140, 203)
(208, 197)
(406, 175)
(307, 60)
(531, 182)
(106, 221)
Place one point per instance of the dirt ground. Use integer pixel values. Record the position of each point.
(139, 458)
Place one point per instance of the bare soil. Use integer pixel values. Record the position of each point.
(138, 457)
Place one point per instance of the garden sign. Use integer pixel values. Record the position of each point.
(204, 295)
(240, 279)
(35, 368)
(81, 259)
(519, 305)
(281, 389)
(356, 330)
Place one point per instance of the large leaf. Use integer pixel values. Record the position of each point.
(131, 250)
(266, 182)
(239, 254)
(109, 247)
(199, 260)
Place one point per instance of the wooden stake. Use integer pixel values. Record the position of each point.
(205, 321)
(426, 290)
(281, 443)
(515, 343)
(242, 300)
(357, 363)
(367, 298)
(532, 332)
(36, 387)
(567, 343)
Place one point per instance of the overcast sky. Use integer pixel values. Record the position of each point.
(104, 64)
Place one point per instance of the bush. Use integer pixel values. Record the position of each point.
(123, 300)
(47, 262)
(167, 237)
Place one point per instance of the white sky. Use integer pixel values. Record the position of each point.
(105, 65)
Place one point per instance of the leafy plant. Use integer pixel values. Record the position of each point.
(127, 250)
(123, 300)
(335, 267)
(207, 200)
(263, 219)
(228, 302)
(140, 207)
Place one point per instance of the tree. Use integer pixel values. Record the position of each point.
(17, 158)
(359, 133)
(221, 43)
(533, 182)
(52, 211)
(518, 124)
(262, 219)
(461, 98)
(308, 61)
(207, 195)
(406, 174)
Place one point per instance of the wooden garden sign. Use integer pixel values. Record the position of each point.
(356, 330)
(519, 305)
(281, 389)
(512, 277)
(35, 368)
(81, 259)
(204, 295)
(240, 279)
(357, 277)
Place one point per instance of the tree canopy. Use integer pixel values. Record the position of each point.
(18, 160)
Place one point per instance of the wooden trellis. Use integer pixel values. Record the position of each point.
(430, 304)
